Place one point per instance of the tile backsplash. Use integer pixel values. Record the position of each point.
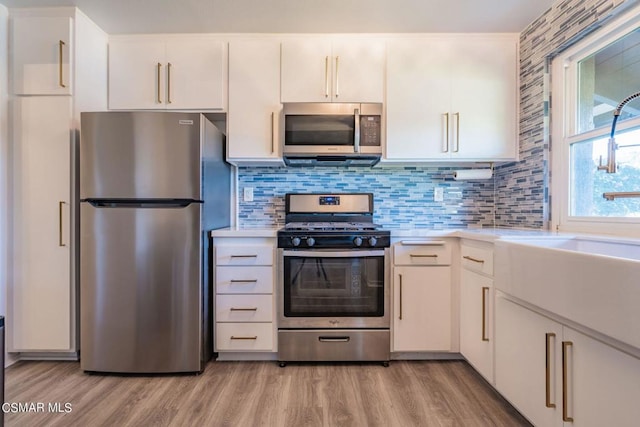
(522, 188)
(403, 195)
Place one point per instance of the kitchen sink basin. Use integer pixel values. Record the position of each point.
(586, 245)
(590, 281)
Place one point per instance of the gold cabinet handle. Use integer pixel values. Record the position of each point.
(244, 281)
(423, 256)
(273, 132)
(479, 261)
(445, 142)
(337, 76)
(326, 76)
(485, 335)
(168, 82)
(243, 309)
(400, 298)
(60, 209)
(547, 379)
(61, 45)
(565, 384)
(457, 132)
(255, 337)
(159, 67)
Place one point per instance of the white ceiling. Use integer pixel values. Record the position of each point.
(303, 16)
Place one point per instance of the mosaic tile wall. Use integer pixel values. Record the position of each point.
(522, 189)
(403, 196)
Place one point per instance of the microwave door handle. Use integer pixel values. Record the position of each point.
(356, 131)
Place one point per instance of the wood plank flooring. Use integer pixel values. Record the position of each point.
(407, 393)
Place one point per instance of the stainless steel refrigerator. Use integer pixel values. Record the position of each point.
(151, 185)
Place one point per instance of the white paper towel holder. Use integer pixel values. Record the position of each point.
(473, 174)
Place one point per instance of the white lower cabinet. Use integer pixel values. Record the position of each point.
(41, 296)
(244, 295)
(476, 321)
(422, 303)
(476, 306)
(244, 337)
(555, 375)
(422, 309)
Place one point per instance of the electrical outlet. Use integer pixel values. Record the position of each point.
(248, 194)
(438, 194)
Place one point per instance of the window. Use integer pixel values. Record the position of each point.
(589, 82)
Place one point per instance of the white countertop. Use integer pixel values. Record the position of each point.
(485, 234)
(246, 232)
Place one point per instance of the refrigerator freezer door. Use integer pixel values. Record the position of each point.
(141, 296)
(151, 155)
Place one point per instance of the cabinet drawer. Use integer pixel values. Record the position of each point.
(244, 336)
(479, 259)
(244, 308)
(422, 252)
(244, 255)
(244, 280)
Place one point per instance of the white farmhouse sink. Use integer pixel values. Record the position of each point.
(587, 245)
(592, 282)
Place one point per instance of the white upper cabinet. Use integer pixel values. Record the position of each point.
(325, 70)
(195, 74)
(41, 49)
(136, 79)
(418, 99)
(484, 99)
(452, 98)
(156, 73)
(255, 111)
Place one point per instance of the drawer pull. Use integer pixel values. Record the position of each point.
(243, 281)
(423, 255)
(547, 380)
(159, 67)
(423, 243)
(244, 256)
(400, 291)
(485, 335)
(334, 339)
(255, 337)
(61, 45)
(243, 309)
(565, 384)
(479, 261)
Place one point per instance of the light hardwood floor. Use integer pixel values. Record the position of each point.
(407, 393)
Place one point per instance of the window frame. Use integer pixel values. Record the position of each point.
(564, 119)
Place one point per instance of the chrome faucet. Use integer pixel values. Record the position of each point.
(610, 167)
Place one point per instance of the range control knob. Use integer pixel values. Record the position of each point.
(357, 241)
(373, 241)
(295, 241)
(311, 241)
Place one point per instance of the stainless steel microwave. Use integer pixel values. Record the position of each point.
(332, 133)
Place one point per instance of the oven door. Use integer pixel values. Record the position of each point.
(333, 289)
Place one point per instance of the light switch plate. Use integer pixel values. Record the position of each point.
(248, 194)
(438, 194)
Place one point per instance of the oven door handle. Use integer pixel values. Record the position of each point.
(333, 254)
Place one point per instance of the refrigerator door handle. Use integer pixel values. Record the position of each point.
(140, 203)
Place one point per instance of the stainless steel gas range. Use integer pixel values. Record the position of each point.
(333, 296)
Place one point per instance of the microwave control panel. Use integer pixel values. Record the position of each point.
(370, 131)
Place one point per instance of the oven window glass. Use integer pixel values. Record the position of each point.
(319, 130)
(324, 286)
